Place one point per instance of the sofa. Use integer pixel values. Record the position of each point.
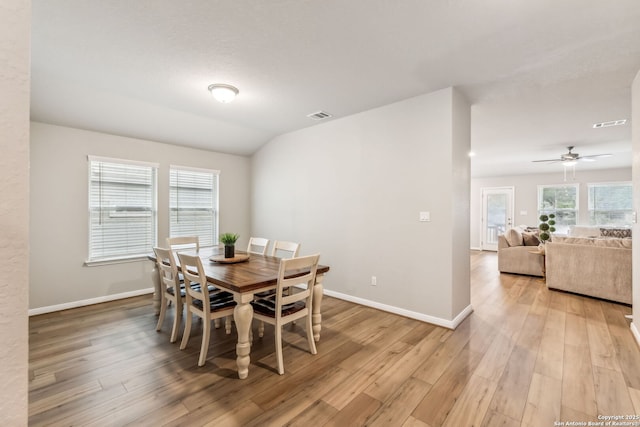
(517, 252)
(594, 266)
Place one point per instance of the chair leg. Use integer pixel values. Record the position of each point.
(177, 319)
(187, 330)
(261, 329)
(227, 324)
(163, 312)
(216, 323)
(279, 349)
(206, 335)
(310, 340)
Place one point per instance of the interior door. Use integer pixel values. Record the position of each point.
(497, 215)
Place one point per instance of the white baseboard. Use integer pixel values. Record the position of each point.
(635, 332)
(91, 301)
(450, 324)
(475, 248)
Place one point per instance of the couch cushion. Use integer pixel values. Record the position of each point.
(620, 233)
(514, 237)
(602, 242)
(530, 239)
(584, 231)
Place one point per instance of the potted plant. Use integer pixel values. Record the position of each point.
(546, 227)
(229, 241)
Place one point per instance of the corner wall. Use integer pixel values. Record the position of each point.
(59, 211)
(351, 189)
(15, 21)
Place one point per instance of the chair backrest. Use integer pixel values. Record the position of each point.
(291, 267)
(284, 249)
(167, 269)
(257, 245)
(184, 242)
(193, 273)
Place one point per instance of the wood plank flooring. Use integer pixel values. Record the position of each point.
(527, 356)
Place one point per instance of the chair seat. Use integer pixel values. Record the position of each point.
(217, 301)
(267, 307)
(195, 286)
(265, 294)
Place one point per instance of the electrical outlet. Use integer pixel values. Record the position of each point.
(374, 281)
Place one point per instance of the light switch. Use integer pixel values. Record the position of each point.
(425, 216)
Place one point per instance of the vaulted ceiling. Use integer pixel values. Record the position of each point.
(538, 74)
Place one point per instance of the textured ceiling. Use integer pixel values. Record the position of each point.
(538, 73)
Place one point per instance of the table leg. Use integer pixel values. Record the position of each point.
(243, 315)
(155, 278)
(316, 317)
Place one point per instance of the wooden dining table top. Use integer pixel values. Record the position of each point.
(259, 272)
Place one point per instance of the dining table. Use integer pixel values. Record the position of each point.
(244, 276)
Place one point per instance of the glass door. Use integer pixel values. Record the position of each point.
(497, 215)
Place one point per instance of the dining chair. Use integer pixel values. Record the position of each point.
(282, 307)
(172, 290)
(184, 242)
(257, 245)
(206, 305)
(283, 249)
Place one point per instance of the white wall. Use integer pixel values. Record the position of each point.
(351, 189)
(15, 17)
(526, 194)
(59, 206)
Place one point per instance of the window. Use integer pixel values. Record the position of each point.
(122, 209)
(610, 204)
(561, 200)
(193, 204)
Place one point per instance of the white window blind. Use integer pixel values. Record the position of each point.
(122, 209)
(193, 204)
(610, 203)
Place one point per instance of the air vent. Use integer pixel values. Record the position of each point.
(611, 123)
(319, 115)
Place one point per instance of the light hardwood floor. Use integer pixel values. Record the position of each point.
(526, 356)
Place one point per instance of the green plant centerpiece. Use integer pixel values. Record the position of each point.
(229, 242)
(546, 227)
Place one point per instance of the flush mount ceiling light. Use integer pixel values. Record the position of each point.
(223, 93)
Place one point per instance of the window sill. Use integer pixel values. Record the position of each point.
(110, 261)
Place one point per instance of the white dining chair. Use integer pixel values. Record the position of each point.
(285, 307)
(172, 290)
(184, 243)
(283, 249)
(206, 305)
(257, 245)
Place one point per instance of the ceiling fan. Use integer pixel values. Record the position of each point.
(571, 158)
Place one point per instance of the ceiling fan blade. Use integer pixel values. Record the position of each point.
(595, 155)
(547, 161)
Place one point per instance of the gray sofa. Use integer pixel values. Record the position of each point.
(596, 267)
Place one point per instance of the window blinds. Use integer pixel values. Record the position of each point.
(193, 204)
(610, 203)
(122, 209)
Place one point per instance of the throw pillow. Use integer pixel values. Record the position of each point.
(620, 233)
(514, 237)
(530, 239)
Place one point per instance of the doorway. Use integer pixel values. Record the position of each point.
(497, 215)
